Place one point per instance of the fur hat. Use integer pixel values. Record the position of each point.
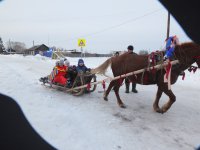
(130, 47)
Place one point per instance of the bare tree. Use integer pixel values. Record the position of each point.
(17, 46)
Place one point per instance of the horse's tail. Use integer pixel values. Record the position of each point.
(102, 68)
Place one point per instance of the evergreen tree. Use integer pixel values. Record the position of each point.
(1, 46)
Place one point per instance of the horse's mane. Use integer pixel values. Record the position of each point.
(187, 45)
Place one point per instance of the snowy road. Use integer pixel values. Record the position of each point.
(89, 123)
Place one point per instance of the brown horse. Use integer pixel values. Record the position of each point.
(186, 53)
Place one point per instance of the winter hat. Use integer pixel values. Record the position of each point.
(67, 63)
(80, 61)
(57, 63)
(130, 47)
(117, 53)
(61, 62)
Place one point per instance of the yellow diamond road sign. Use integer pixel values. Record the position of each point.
(81, 42)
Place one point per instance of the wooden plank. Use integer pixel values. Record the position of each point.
(127, 74)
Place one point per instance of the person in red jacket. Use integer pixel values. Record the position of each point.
(60, 76)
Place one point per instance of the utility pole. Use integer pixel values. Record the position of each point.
(168, 24)
(48, 39)
(33, 43)
(9, 46)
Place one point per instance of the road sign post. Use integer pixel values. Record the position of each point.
(81, 43)
(81, 51)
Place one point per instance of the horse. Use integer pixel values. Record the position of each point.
(187, 54)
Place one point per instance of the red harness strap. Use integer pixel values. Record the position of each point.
(183, 77)
(168, 69)
(104, 85)
(88, 86)
(198, 57)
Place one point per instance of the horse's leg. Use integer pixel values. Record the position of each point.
(172, 99)
(105, 97)
(156, 102)
(119, 101)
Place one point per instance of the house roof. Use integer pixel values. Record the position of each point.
(37, 47)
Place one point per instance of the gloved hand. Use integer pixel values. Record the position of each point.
(80, 72)
(165, 58)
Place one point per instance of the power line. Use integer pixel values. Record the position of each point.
(116, 26)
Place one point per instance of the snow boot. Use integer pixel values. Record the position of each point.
(127, 87)
(134, 88)
(68, 84)
(44, 80)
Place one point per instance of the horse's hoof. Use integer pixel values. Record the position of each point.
(122, 106)
(105, 98)
(159, 110)
(165, 109)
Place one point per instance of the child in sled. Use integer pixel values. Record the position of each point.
(59, 74)
(81, 68)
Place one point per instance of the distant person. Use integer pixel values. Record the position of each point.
(81, 68)
(116, 54)
(127, 81)
(171, 42)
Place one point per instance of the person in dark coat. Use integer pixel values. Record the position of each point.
(116, 53)
(81, 68)
(130, 49)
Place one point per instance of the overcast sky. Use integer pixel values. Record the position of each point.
(106, 25)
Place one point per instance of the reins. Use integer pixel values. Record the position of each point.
(196, 57)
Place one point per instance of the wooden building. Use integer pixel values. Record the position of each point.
(38, 49)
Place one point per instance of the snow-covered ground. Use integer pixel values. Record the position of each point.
(90, 123)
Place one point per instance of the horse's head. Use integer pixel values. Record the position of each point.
(188, 53)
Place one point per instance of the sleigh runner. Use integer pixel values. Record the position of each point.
(79, 80)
